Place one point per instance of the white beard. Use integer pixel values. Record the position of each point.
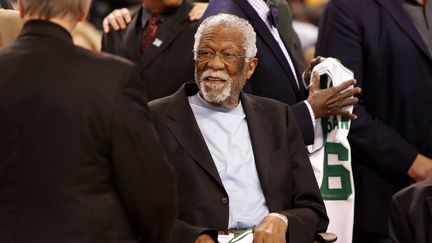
(215, 92)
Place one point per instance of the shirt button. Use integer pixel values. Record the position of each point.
(224, 200)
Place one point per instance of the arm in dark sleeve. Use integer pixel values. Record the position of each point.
(145, 181)
(308, 215)
(109, 41)
(384, 148)
(304, 121)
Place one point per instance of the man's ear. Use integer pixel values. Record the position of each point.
(253, 62)
(21, 8)
(84, 15)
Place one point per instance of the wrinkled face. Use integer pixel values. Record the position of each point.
(161, 6)
(221, 69)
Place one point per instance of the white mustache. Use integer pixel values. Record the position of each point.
(215, 74)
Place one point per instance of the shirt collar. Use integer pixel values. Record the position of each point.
(47, 29)
(261, 8)
(145, 16)
(199, 101)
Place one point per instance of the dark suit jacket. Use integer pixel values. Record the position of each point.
(376, 39)
(283, 167)
(411, 214)
(163, 69)
(79, 156)
(273, 77)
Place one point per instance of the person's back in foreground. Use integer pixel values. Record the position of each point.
(79, 157)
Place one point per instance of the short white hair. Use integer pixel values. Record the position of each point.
(229, 21)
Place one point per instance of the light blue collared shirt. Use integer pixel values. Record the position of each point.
(226, 134)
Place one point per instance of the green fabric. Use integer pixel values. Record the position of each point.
(288, 34)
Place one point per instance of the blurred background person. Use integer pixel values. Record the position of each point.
(101, 8)
(306, 15)
(10, 25)
(87, 36)
(159, 39)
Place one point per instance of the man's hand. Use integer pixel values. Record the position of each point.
(204, 239)
(421, 168)
(197, 11)
(271, 229)
(117, 19)
(331, 101)
(308, 72)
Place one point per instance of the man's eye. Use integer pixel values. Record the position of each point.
(229, 55)
(205, 53)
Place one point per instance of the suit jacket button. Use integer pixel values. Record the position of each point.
(224, 200)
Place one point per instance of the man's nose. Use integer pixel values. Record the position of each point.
(216, 63)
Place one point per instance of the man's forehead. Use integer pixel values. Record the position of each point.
(222, 34)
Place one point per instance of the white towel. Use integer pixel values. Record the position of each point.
(244, 237)
(330, 156)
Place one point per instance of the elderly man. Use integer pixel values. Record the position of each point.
(240, 159)
(79, 157)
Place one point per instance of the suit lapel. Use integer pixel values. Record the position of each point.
(186, 131)
(395, 9)
(262, 30)
(260, 129)
(172, 26)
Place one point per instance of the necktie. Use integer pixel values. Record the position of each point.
(149, 33)
(273, 14)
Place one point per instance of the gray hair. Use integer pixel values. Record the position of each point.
(229, 21)
(47, 9)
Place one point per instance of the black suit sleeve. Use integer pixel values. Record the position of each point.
(304, 120)
(109, 41)
(341, 37)
(145, 180)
